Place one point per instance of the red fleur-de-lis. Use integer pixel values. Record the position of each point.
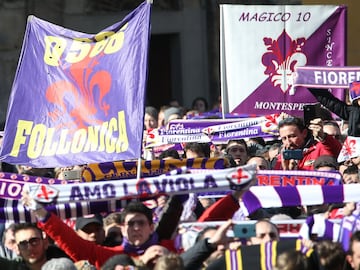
(349, 146)
(45, 193)
(271, 119)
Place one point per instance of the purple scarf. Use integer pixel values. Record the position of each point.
(138, 250)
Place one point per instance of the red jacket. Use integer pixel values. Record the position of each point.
(76, 247)
(330, 146)
(221, 210)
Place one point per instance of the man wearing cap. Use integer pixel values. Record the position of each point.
(346, 112)
(90, 228)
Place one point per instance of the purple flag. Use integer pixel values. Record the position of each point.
(79, 98)
(262, 45)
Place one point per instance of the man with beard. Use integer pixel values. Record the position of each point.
(33, 249)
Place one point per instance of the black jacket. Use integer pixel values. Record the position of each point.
(350, 113)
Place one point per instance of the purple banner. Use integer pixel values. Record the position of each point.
(214, 130)
(11, 185)
(261, 45)
(78, 98)
(326, 77)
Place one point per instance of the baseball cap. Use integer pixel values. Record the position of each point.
(81, 222)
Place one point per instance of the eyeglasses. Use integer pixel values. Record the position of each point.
(32, 242)
(140, 223)
(272, 235)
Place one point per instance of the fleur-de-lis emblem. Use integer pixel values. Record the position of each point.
(81, 95)
(349, 147)
(270, 125)
(283, 55)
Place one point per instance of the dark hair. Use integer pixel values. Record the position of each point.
(112, 218)
(152, 111)
(240, 141)
(355, 237)
(200, 99)
(26, 226)
(331, 254)
(202, 149)
(292, 121)
(169, 261)
(325, 161)
(292, 259)
(120, 259)
(137, 207)
(258, 140)
(353, 169)
(261, 157)
(169, 153)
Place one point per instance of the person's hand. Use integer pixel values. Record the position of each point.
(234, 245)
(288, 164)
(29, 203)
(307, 243)
(152, 253)
(349, 208)
(219, 236)
(316, 127)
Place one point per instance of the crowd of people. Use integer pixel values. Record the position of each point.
(143, 237)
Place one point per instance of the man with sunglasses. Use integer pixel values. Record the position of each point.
(32, 246)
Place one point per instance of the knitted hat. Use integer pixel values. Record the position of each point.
(354, 91)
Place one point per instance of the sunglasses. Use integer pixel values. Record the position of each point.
(32, 242)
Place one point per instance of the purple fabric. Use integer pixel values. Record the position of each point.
(289, 196)
(326, 77)
(251, 202)
(86, 103)
(331, 192)
(138, 250)
(288, 49)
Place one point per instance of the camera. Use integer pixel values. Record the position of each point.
(244, 230)
(293, 154)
